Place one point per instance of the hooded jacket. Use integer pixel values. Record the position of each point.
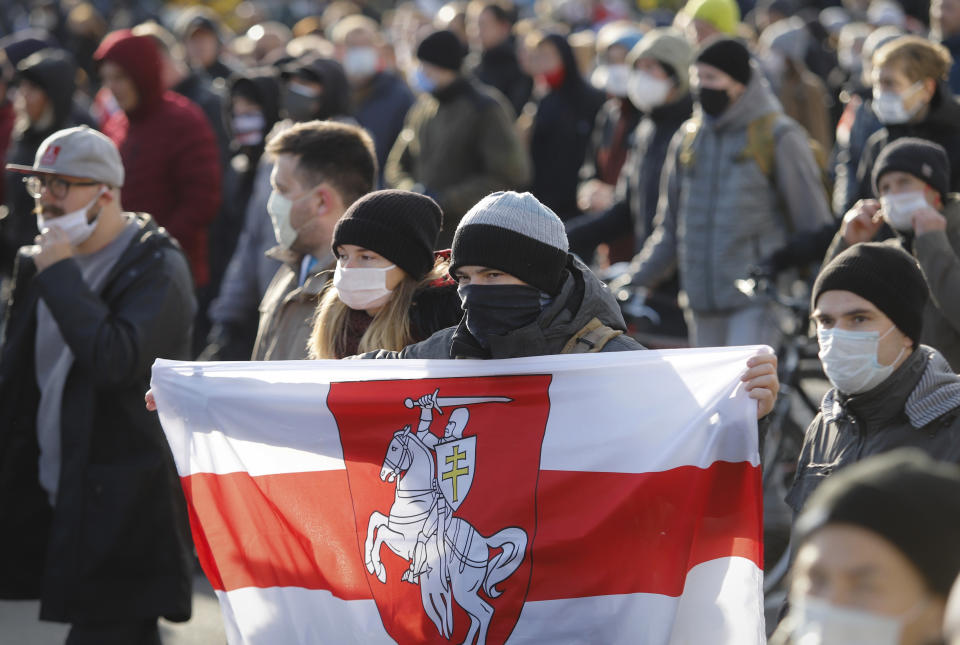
(917, 406)
(117, 545)
(582, 298)
(53, 71)
(562, 129)
(719, 212)
(941, 125)
(168, 149)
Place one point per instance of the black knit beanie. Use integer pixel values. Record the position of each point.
(884, 274)
(923, 159)
(517, 234)
(729, 56)
(905, 497)
(443, 49)
(399, 225)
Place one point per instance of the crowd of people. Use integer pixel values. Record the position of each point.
(381, 180)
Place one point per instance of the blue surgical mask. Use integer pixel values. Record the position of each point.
(422, 82)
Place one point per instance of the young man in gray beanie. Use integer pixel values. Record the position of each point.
(889, 390)
(911, 182)
(877, 553)
(524, 294)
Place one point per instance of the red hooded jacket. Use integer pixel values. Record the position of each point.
(168, 149)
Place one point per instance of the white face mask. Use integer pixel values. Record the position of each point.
(898, 209)
(279, 208)
(849, 359)
(618, 79)
(890, 108)
(248, 129)
(818, 622)
(362, 287)
(360, 62)
(646, 91)
(74, 225)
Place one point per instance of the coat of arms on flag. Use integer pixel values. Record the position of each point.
(578, 499)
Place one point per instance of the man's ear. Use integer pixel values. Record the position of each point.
(328, 200)
(930, 86)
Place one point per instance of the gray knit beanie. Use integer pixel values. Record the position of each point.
(517, 234)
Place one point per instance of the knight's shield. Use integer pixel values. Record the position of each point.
(456, 462)
(389, 511)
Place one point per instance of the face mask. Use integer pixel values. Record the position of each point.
(890, 107)
(849, 359)
(898, 209)
(279, 208)
(817, 622)
(713, 101)
(422, 82)
(555, 78)
(74, 224)
(360, 62)
(301, 103)
(618, 78)
(362, 288)
(496, 309)
(248, 129)
(646, 91)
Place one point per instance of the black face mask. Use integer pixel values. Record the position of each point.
(301, 108)
(713, 101)
(496, 309)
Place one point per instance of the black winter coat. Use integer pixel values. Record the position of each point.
(117, 544)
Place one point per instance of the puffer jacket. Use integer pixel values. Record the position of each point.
(917, 406)
(168, 150)
(938, 253)
(719, 212)
(581, 299)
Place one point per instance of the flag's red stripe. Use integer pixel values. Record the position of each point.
(597, 534)
(614, 533)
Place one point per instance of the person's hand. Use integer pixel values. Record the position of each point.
(54, 246)
(861, 223)
(595, 196)
(761, 381)
(927, 220)
(150, 402)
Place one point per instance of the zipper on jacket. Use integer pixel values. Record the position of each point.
(711, 219)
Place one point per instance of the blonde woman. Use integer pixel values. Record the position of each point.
(390, 288)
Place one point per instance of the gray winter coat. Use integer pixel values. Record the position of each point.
(719, 212)
(917, 406)
(582, 298)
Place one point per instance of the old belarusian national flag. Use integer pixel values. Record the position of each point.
(602, 498)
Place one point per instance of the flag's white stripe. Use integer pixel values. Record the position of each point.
(265, 407)
(734, 616)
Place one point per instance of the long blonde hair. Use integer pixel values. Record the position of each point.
(390, 328)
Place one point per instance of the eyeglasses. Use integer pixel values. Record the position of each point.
(55, 185)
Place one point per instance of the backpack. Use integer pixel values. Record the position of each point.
(762, 135)
(591, 338)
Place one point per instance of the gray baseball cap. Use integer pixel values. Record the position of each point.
(77, 152)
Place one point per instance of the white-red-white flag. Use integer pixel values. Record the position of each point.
(602, 498)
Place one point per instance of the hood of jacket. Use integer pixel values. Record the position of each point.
(329, 73)
(262, 86)
(139, 58)
(582, 298)
(572, 79)
(757, 101)
(54, 71)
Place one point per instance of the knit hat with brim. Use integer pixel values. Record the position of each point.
(729, 56)
(904, 497)
(442, 49)
(514, 233)
(399, 225)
